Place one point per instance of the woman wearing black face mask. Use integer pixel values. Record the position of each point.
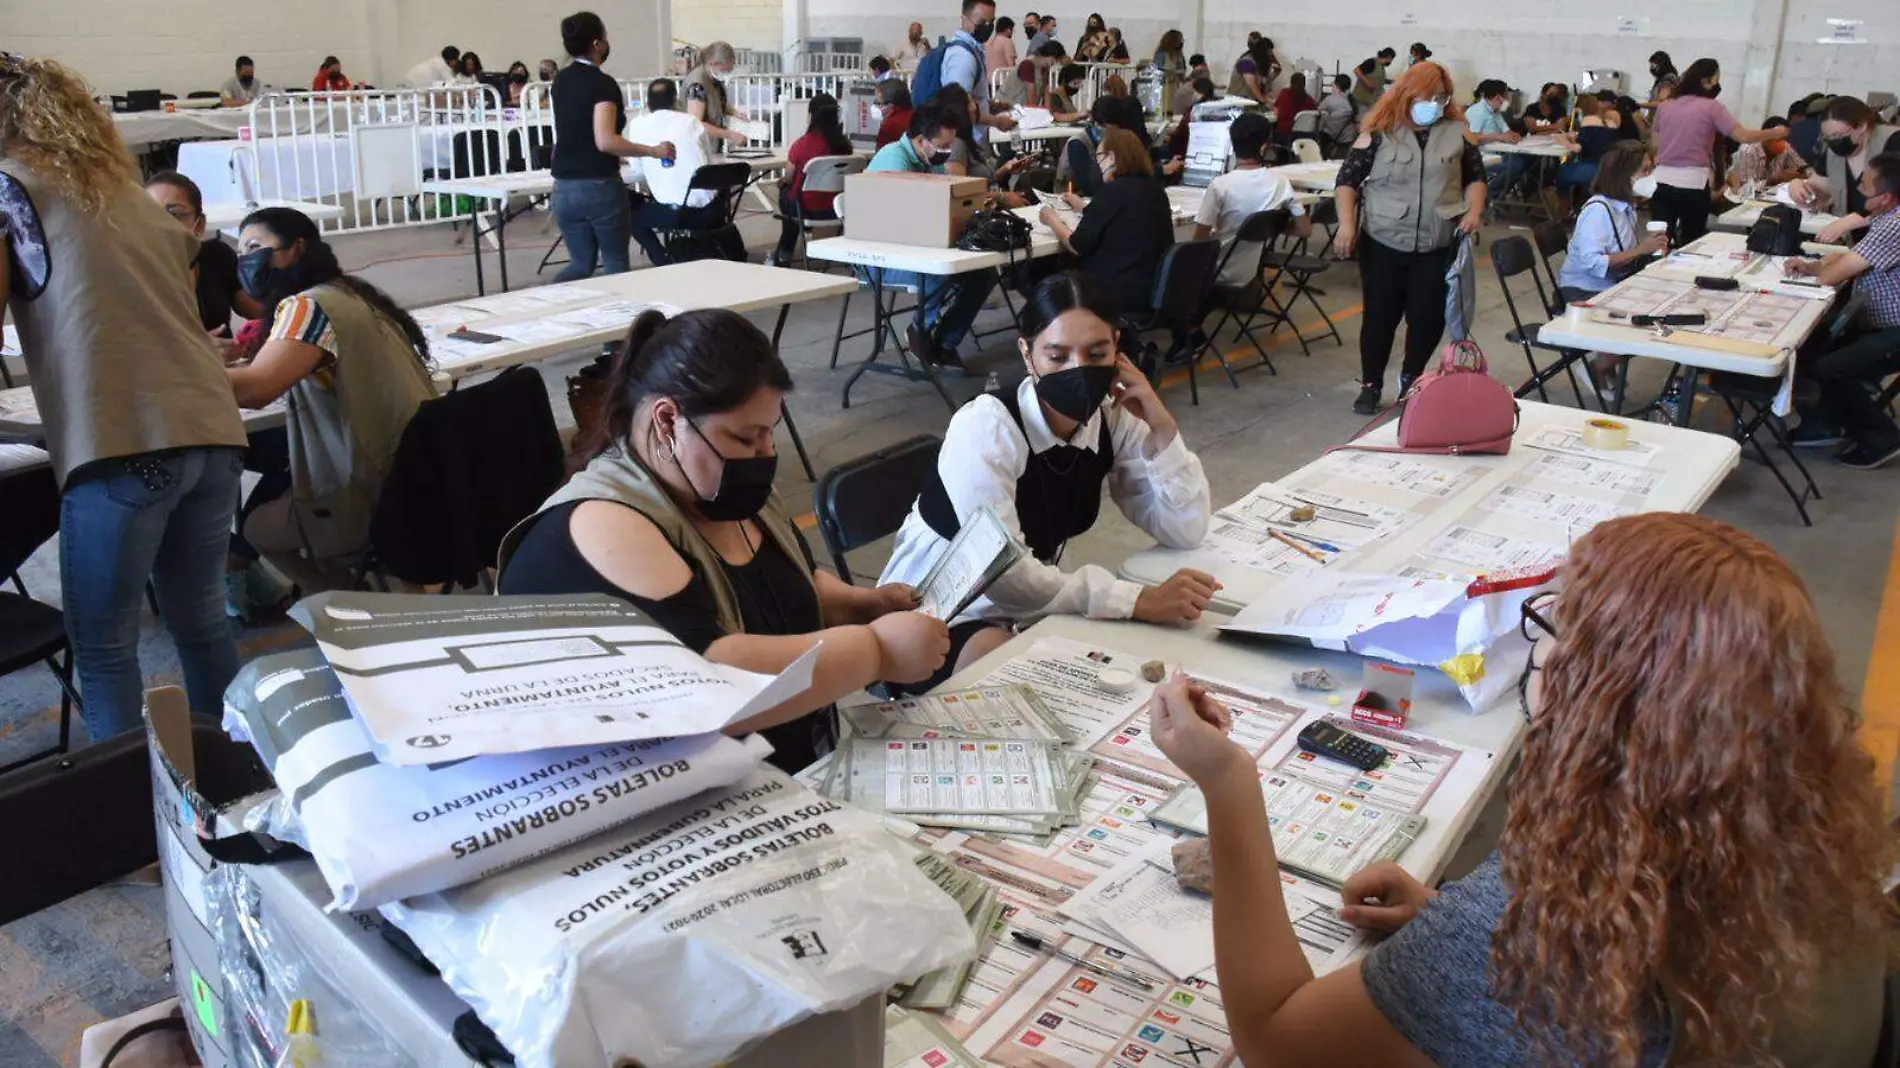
(1851, 134)
(1038, 456)
(355, 366)
(1688, 125)
(675, 515)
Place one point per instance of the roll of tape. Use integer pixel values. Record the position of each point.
(1115, 680)
(1606, 434)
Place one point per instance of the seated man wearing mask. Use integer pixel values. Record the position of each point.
(946, 307)
(242, 87)
(672, 205)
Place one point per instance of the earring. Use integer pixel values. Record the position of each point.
(666, 452)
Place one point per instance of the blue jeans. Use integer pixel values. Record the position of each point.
(1577, 174)
(950, 304)
(165, 516)
(1504, 175)
(595, 218)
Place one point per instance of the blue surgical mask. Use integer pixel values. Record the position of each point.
(1426, 112)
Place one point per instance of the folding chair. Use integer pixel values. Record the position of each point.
(868, 498)
(1307, 150)
(823, 174)
(1552, 239)
(1182, 285)
(32, 632)
(1296, 269)
(716, 235)
(1512, 256)
(1245, 303)
(1751, 404)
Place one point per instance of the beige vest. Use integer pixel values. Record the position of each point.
(715, 93)
(1838, 179)
(346, 421)
(619, 477)
(1413, 197)
(119, 362)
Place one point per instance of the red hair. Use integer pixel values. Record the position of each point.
(1421, 81)
(1694, 823)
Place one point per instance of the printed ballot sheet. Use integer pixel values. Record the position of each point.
(1318, 831)
(1416, 475)
(1259, 719)
(1337, 520)
(980, 553)
(965, 775)
(1064, 674)
(1566, 439)
(434, 679)
(987, 712)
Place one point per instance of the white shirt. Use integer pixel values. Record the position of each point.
(1227, 203)
(909, 53)
(983, 457)
(431, 71)
(692, 149)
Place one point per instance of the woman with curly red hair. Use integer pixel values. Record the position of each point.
(1689, 874)
(1422, 182)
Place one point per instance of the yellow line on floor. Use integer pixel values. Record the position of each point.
(1880, 697)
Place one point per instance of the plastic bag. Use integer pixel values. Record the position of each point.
(681, 939)
(380, 832)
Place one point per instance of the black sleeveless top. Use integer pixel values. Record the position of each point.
(1058, 496)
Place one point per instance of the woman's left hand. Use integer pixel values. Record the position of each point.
(1471, 223)
(1136, 395)
(1190, 728)
(891, 597)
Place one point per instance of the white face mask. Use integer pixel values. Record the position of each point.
(877, 113)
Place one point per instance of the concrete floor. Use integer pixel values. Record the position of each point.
(102, 954)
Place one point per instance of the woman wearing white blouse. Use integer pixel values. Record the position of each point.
(1039, 456)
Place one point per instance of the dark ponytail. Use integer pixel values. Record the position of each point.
(318, 266)
(705, 361)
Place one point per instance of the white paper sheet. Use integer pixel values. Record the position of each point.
(1064, 673)
(1329, 607)
(973, 559)
(436, 679)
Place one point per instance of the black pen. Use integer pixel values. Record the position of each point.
(1030, 941)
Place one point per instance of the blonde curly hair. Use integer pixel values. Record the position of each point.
(49, 121)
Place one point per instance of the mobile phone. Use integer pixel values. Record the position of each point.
(1326, 738)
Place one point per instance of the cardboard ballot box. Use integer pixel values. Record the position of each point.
(201, 780)
(929, 210)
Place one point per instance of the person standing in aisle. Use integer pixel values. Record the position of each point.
(1000, 52)
(1688, 125)
(912, 49)
(140, 423)
(705, 86)
(1422, 184)
(1369, 80)
(590, 197)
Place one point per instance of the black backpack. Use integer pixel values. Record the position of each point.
(1777, 232)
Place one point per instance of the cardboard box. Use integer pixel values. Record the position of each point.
(928, 210)
(1385, 696)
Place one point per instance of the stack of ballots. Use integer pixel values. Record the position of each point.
(992, 759)
(538, 791)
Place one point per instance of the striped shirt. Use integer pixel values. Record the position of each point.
(301, 318)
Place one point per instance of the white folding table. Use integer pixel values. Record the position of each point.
(1743, 216)
(1691, 465)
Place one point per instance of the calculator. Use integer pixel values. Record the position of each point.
(1325, 738)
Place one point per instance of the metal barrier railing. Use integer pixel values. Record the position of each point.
(367, 152)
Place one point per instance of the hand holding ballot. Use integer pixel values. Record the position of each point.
(1190, 728)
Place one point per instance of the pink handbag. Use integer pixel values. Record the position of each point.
(1458, 408)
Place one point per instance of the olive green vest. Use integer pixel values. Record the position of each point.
(1414, 196)
(118, 361)
(345, 421)
(618, 476)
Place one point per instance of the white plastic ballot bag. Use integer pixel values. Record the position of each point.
(1467, 629)
(677, 941)
(434, 679)
(380, 832)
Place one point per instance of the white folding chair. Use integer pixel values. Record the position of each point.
(1306, 150)
(825, 174)
(1306, 122)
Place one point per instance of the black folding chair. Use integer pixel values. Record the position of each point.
(868, 498)
(1552, 239)
(1296, 269)
(32, 632)
(714, 233)
(1179, 300)
(1246, 303)
(1512, 256)
(1751, 404)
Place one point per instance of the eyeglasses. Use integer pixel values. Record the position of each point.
(180, 212)
(1534, 624)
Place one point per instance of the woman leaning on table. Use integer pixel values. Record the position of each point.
(675, 515)
(1039, 456)
(1690, 868)
(1688, 126)
(1421, 184)
(144, 438)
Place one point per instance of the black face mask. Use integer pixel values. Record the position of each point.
(1715, 90)
(1078, 391)
(744, 484)
(1842, 146)
(256, 272)
(246, 80)
(983, 31)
